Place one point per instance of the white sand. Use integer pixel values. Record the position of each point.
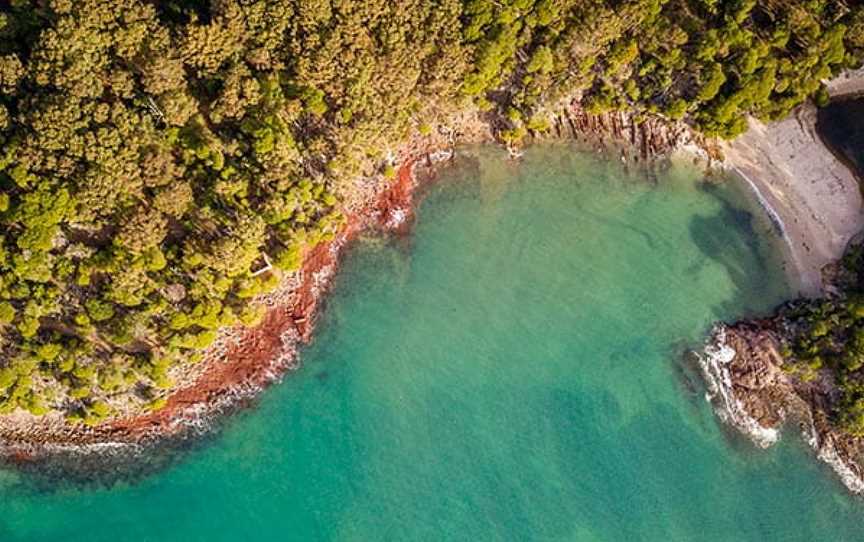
(813, 197)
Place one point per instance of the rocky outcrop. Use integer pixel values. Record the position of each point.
(645, 137)
(741, 366)
(750, 391)
(814, 200)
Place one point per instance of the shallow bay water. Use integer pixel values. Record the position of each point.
(510, 371)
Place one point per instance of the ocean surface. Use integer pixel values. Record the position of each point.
(512, 370)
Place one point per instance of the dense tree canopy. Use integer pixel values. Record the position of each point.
(152, 151)
(826, 341)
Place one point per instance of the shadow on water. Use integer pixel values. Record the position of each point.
(707, 234)
(749, 267)
(686, 370)
(746, 260)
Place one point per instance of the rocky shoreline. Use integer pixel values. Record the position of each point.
(750, 390)
(815, 200)
(636, 140)
(248, 359)
(243, 362)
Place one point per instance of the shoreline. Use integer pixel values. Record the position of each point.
(243, 361)
(259, 357)
(246, 361)
(749, 390)
(812, 198)
(816, 198)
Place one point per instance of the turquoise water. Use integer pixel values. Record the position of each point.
(509, 372)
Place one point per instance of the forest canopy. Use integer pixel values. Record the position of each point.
(151, 152)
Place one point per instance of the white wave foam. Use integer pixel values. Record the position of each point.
(826, 451)
(441, 155)
(103, 449)
(773, 216)
(397, 218)
(714, 361)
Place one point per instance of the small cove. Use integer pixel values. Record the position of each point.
(510, 371)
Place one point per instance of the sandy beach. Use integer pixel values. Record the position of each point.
(812, 197)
